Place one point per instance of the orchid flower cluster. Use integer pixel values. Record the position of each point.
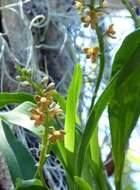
(46, 108)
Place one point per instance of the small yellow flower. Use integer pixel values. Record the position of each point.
(56, 135)
(91, 18)
(79, 5)
(92, 53)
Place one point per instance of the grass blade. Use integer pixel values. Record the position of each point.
(71, 108)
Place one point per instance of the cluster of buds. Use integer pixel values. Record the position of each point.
(111, 32)
(91, 53)
(26, 78)
(91, 18)
(79, 5)
(25, 75)
(45, 106)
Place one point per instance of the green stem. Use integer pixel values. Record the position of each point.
(102, 63)
(118, 185)
(92, 2)
(43, 154)
(37, 87)
(132, 12)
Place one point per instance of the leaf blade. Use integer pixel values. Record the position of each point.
(71, 108)
(21, 116)
(14, 98)
(23, 157)
(82, 184)
(124, 106)
(9, 156)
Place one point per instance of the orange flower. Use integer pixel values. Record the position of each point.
(92, 53)
(91, 18)
(37, 116)
(56, 135)
(111, 32)
(45, 106)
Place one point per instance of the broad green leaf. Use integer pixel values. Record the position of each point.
(21, 116)
(9, 156)
(71, 108)
(24, 158)
(14, 98)
(96, 112)
(33, 184)
(33, 187)
(124, 107)
(27, 183)
(82, 184)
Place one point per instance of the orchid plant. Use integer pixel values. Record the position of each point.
(76, 146)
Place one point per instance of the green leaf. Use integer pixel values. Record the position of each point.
(124, 107)
(33, 187)
(71, 108)
(97, 164)
(24, 158)
(14, 98)
(92, 122)
(9, 156)
(99, 107)
(21, 116)
(33, 184)
(95, 149)
(82, 184)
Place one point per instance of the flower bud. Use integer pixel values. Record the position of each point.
(51, 86)
(43, 99)
(25, 83)
(18, 77)
(45, 79)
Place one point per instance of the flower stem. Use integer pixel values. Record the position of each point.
(43, 154)
(102, 63)
(132, 12)
(92, 2)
